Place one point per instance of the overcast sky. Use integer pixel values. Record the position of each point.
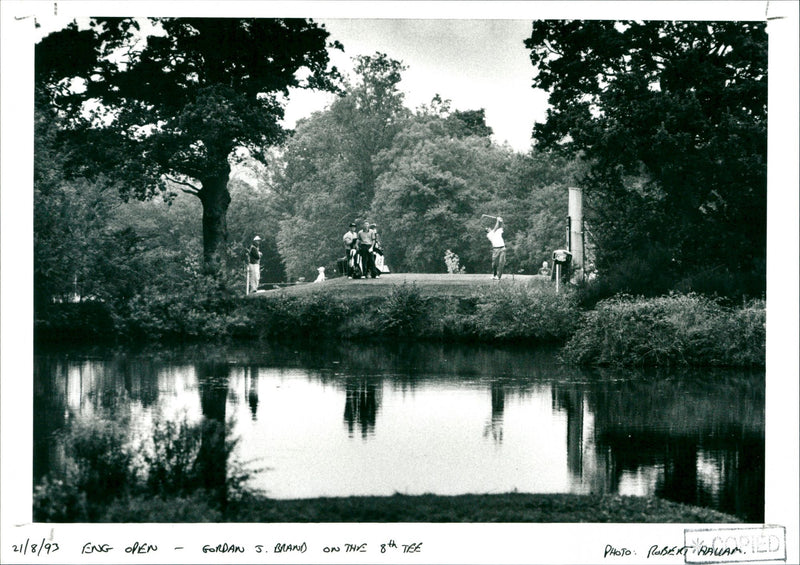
(469, 52)
(474, 63)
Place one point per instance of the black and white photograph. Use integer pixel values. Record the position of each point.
(386, 282)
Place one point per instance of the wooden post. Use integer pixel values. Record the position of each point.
(247, 284)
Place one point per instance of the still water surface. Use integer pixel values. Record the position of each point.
(340, 420)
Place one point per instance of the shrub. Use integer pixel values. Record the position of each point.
(453, 263)
(525, 312)
(731, 285)
(98, 469)
(103, 459)
(362, 325)
(171, 459)
(677, 329)
(59, 500)
(303, 317)
(175, 470)
(192, 312)
(451, 318)
(404, 313)
(733, 337)
(80, 321)
(644, 272)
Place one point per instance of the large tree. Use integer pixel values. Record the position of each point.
(672, 117)
(176, 106)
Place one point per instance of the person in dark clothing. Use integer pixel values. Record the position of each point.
(366, 245)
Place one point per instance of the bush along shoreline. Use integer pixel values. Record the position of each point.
(671, 330)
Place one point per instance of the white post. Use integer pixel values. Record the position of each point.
(576, 228)
(247, 284)
(558, 276)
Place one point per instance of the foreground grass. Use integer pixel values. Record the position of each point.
(511, 507)
(470, 508)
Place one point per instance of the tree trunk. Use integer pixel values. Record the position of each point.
(216, 199)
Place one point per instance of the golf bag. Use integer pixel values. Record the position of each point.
(357, 269)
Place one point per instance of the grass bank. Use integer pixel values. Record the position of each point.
(677, 329)
(509, 507)
(447, 307)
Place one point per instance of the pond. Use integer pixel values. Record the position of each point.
(357, 419)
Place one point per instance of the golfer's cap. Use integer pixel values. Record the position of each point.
(352, 224)
(373, 225)
(256, 238)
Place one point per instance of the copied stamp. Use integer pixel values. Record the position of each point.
(735, 545)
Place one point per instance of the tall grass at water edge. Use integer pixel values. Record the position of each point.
(110, 476)
(525, 312)
(676, 329)
(493, 313)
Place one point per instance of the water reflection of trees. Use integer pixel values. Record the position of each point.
(571, 401)
(67, 388)
(212, 458)
(78, 403)
(408, 366)
(494, 427)
(362, 401)
(49, 413)
(705, 430)
(251, 390)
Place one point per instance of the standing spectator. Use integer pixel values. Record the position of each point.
(377, 250)
(254, 265)
(350, 240)
(495, 236)
(366, 246)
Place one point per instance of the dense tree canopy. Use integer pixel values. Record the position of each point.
(330, 170)
(424, 177)
(430, 195)
(672, 117)
(179, 104)
(89, 243)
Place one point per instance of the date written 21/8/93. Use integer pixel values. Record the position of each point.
(37, 548)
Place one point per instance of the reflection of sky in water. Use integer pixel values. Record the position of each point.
(323, 433)
(641, 482)
(709, 471)
(431, 441)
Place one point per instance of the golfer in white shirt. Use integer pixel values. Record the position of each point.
(495, 235)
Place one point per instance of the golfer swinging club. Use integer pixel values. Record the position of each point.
(495, 236)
